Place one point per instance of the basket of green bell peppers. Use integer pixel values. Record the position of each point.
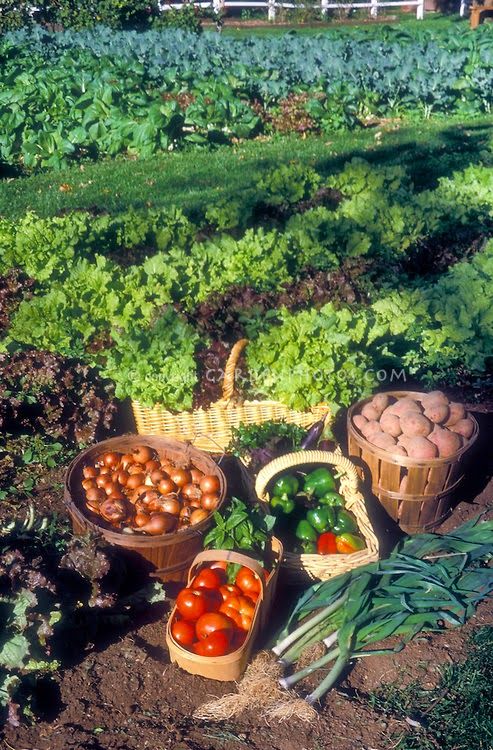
(311, 510)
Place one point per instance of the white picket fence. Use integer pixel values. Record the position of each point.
(272, 6)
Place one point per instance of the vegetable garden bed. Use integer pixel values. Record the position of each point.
(342, 274)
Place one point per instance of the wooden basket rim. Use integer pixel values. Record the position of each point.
(405, 460)
(127, 539)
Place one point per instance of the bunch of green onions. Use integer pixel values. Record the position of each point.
(428, 581)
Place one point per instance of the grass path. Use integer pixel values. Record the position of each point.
(194, 179)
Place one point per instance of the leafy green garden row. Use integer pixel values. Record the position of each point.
(104, 93)
(112, 291)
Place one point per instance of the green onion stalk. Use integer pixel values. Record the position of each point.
(427, 583)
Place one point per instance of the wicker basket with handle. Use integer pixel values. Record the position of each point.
(300, 569)
(416, 493)
(210, 429)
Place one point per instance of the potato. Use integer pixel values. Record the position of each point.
(359, 421)
(382, 440)
(413, 424)
(447, 442)
(390, 424)
(437, 412)
(403, 405)
(370, 412)
(434, 397)
(457, 411)
(380, 402)
(371, 428)
(404, 440)
(464, 427)
(420, 447)
(398, 450)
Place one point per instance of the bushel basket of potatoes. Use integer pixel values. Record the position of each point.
(413, 445)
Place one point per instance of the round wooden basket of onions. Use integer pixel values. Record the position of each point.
(147, 494)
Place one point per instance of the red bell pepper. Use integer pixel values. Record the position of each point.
(326, 544)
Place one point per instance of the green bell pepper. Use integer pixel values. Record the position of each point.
(286, 485)
(345, 523)
(333, 500)
(305, 532)
(284, 504)
(321, 519)
(308, 548)
(319, 482)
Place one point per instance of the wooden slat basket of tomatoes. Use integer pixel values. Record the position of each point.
(213, 627)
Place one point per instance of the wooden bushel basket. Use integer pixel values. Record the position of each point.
(210, 429)
(172, 553)
(231, 666)
(303, 569)
(430, 484)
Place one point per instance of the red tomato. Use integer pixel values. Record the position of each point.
(209, 579)
(248, 581)
(217, 643)
(183, 632)
(191, 604)
(239, 638)
(213, 598)
(210, 622)
(229, 589)
(232, 613)
(220, 564)
(245, 608)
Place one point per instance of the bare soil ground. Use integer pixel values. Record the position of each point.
(125, 694)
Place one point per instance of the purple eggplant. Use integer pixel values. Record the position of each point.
(313, 435)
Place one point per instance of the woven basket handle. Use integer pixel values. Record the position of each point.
(290, 460)
(230, 369)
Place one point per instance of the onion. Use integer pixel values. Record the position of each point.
(142, 454)
(191, 492)
(198, 516)
(89, 472)
(171, 505)
(180, 477)
(105, 471)
(210, 484)
(126, 460)
(135, 469)
(151, 466)
(89, 484)
(111, 488)
(93, 506)
(117, 495)
(159, 523)
(113, 511)
(141, 519)
(104, 481)
(196, 475)
(185, 513)
(209, 502)
(122, 478)
(111, 459)
(95, 496)
(166, 486)
(195, 503)
(135, 480)
(167, 466)
(156, 476)
(150, 497)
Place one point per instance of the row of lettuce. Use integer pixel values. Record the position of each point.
(136, 321)
(85, 95)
